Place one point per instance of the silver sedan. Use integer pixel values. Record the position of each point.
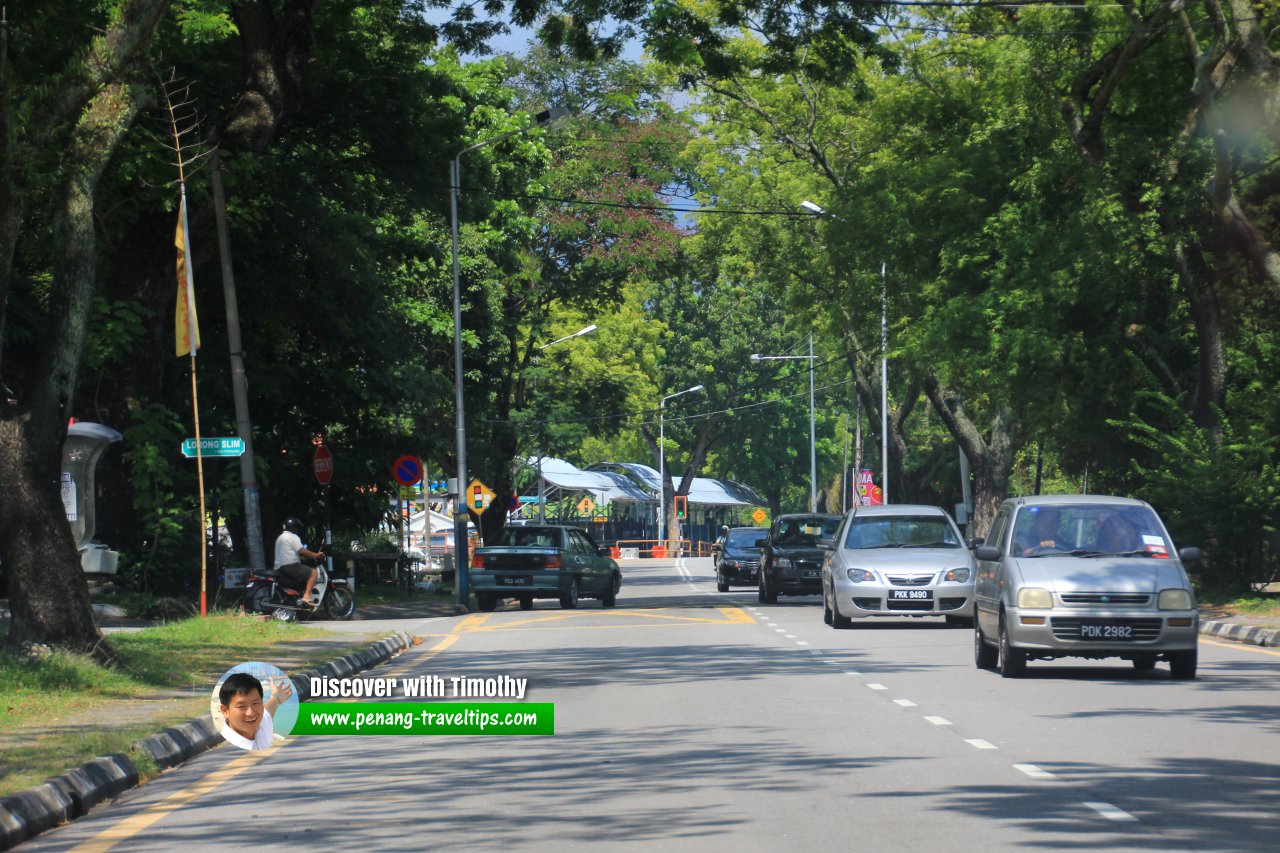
(898, 560)
(1086, 576)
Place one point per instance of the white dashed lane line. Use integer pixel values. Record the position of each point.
(1034, 772)
(906, 703)
(938, 721)
(1110, 812)
(979, 743)
(876, 687)
(803, 643)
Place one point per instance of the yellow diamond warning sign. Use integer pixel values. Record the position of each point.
(479, 496)
(586, 506)
(759, 516)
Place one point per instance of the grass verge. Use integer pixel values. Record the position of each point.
(61, 710)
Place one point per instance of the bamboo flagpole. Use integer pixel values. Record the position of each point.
(187, 341)
(184, 121)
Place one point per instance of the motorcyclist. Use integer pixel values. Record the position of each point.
(289, 554)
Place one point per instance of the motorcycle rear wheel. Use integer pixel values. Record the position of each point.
(340, 603)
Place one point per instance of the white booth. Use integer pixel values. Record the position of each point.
(85, 444)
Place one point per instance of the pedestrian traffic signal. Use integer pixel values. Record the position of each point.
(682, 507)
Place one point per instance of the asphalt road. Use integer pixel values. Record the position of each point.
(692, 720)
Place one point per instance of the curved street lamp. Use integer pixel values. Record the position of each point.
(884, 362)
(542, 483)
(461, 592)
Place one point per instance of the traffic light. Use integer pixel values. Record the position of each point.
(682, 507)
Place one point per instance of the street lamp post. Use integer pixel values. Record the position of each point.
(460, 513)
(662, 463)
(884, 363)
(813, 451)
(542, 483)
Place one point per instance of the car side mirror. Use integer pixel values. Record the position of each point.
(1190, 555)
(760, 543)
(974, 543)
(987, 553)
(602, 550)
(827, 544)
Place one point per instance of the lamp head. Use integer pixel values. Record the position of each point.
(811, 207)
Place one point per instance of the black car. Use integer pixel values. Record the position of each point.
(791, 563)
(738, 558)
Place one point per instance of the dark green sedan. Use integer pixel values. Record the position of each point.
(544, 561)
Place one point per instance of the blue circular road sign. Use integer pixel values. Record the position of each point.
(407, 470)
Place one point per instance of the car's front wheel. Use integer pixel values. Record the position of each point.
(722, 585)
(610, 597)
(838, 621)
(985, 655)
(1013, 662)
(1144, 663)
(1182, 665)
(766, 595)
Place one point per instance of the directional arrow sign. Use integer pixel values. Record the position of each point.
(231, 446)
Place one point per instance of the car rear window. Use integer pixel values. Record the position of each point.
(902, 531)
(530, 537)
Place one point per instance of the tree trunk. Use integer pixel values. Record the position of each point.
(990, 458)
(49, 596)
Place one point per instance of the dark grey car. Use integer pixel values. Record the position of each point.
(544, 561)
(792, 560)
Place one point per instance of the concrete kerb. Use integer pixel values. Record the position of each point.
(1254, 635)
(72, 794)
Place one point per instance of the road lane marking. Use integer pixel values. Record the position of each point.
(1110, 812)
(131, 826)
(851, 672)
(874, 686)
(803, 643)
(1034, 772)
(906, 703)
(939, 721)
(781, 630)
(727, 615)
(979, 743)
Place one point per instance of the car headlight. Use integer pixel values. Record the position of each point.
(1174, 599)
(782, 563)
(860, 575)
(1035, 599)
(731, 564)
(956, 575)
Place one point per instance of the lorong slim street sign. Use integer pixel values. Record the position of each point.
(231, 446)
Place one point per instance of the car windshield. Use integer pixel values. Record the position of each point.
(744, 538)
(806, 531)
(902, 531)
(1089, 531)
(530, 537)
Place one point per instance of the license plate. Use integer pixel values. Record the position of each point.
(1105, 631)
(813, 574)
(910, 595)
(513, 580)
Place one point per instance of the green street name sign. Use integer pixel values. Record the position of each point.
(233, 446)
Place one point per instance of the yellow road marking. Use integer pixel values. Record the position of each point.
(1244, 647)
(131, 826)
(471, 623)
(728, 616)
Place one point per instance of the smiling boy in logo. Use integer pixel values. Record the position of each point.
(248, 717)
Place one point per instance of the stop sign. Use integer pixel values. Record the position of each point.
(323, 465)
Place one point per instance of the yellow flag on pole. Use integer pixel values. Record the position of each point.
(185, 326)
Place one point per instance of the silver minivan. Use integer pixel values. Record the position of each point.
(1085, 576)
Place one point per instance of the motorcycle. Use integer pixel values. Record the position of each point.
(277, 595)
